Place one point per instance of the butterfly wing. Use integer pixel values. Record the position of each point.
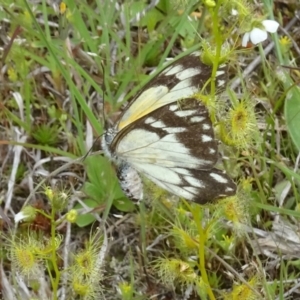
(181, 79)
(200, 186)
(174, 146)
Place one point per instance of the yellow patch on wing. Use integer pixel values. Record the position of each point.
(154, 98)
(147, 102)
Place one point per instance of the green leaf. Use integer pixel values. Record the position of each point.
(134, 9)
(86, 219)
(152, 18)
(292, 114)
(103, 184)
(102, 180)
(93, 191)
(165, 6)
(124, 204)
(45, 134)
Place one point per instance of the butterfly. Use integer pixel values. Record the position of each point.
(166, 134)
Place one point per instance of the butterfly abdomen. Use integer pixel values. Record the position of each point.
(130, 182)
(129, 179)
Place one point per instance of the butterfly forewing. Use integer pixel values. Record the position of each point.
(167, 135)
(181, 79)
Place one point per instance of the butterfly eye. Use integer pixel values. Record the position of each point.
(109, 136)
(106, 140)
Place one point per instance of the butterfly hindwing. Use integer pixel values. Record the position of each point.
(199, 186)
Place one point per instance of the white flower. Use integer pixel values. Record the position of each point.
(258, 35)
(20, 216)
(234, 12)
(27, 214)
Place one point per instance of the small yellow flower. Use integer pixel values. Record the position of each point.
(285, 41)
(285, 44)
(210, 3)
(72, 216)
(12, 75)
(126, 289)
(62, 8)
(49, 193)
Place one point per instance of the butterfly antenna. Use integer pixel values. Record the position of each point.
(103, 113)
(90, 150)
(103, 97)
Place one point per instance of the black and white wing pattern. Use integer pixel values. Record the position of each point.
(167, 135)
(183, 78)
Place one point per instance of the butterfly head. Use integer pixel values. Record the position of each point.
(106, 141)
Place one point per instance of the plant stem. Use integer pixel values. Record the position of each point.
(55, 282)
(202, 239)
